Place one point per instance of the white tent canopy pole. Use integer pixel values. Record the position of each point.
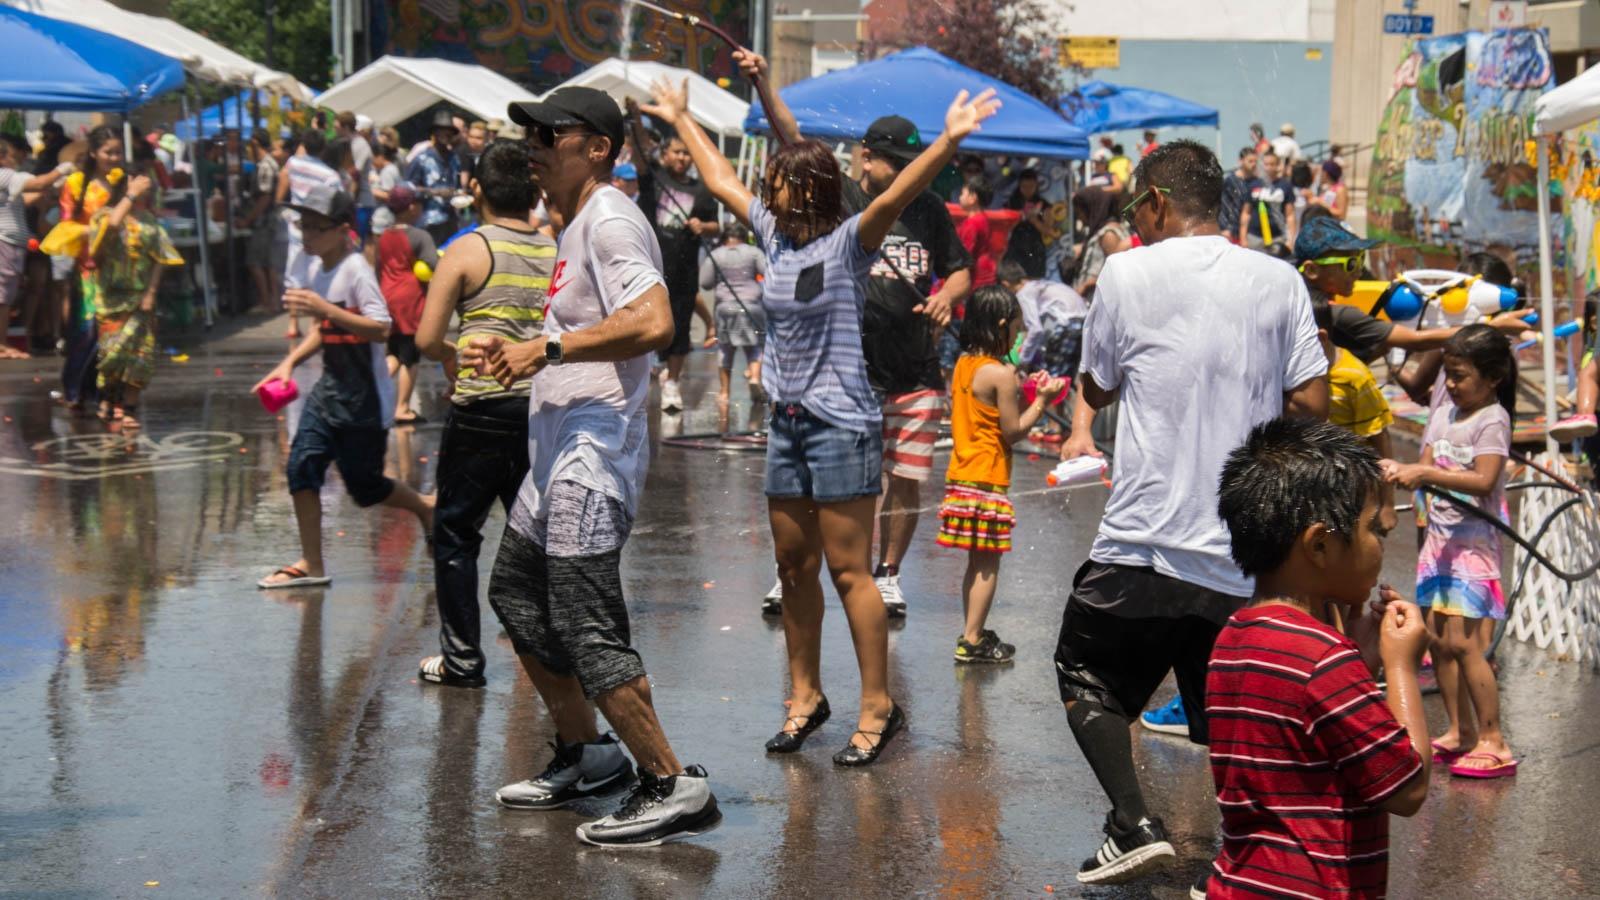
(393, 88)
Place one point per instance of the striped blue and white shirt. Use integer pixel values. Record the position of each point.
(813, 297)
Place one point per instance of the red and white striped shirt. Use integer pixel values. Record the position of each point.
(1303, 751)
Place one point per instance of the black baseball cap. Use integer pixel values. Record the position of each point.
(568, 106)
(894, 136)
(325, 200)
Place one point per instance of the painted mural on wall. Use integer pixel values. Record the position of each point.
(541, 43)
(1575, 174)
(1448, 168)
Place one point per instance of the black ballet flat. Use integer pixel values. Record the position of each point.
(789, 742)
(852, 755)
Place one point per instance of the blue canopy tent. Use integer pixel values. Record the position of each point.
(228, 114)
(919, 84)
(1099, 107)
(54, 65)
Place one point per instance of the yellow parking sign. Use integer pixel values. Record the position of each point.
(1090, 52)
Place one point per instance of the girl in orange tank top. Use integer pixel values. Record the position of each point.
(985, 419)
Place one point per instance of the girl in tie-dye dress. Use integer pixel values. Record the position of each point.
(1458, 567)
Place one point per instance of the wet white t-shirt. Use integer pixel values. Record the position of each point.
(586, 421)
(1203, 339)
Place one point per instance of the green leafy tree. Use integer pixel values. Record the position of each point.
(300, 43)
(1005, 39)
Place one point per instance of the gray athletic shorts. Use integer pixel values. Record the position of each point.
(566, 609)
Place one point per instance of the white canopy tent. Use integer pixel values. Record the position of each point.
(1573, 104)
(718, 111)
(201, 57)
(394, 88)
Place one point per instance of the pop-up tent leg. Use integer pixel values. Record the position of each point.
(1547, 300)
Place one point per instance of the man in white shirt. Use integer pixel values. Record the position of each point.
(14, 183)
(1286, 147)
(557, 582)
(1200, 340)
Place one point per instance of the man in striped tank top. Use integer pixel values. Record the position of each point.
(495, 278)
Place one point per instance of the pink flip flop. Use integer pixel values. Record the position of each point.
(1446, 755)
(1504, 768)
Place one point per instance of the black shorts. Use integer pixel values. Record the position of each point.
(358, 452)
(567, 611)
(404, 348)
(1119, 661)
(682, 320)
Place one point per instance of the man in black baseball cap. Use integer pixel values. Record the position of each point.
(895, 137)
(569, 110)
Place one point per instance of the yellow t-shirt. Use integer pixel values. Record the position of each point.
(1122, 167)
(1354, 400)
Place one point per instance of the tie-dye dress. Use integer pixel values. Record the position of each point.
(1458, 567)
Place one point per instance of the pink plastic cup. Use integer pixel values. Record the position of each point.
(275, 395)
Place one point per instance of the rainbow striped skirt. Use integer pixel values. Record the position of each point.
(976, 517)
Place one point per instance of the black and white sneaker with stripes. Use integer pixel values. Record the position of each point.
(660, 810)
(1128, 854)
(577, 772)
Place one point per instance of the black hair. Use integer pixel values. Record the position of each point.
(1010, 272)
(1029, 172)
(1246, 151)
(261, 139)
(1490, 352)
(1189, 172)
(314, 142)
(1315, 211)
(17, 144)
(99, 136)
(737, 233)
(505, 175)
(1117, 150)
(1493, 269)
(336, 153)
(291, 145)
(1321, 310)
(979, 186)
(1289, 475)
(1300, 174)
(981, 330)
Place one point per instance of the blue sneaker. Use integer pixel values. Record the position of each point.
(1169, 719)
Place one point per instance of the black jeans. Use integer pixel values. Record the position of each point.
(482, 458)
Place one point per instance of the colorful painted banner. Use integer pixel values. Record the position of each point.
(1575, 172)
(541, 44)
(1448, 169)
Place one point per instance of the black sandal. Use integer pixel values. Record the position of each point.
(791, 741)
(852, 755)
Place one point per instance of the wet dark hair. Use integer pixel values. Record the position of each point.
(1190, 173)
(1321, 311)
(1490, 352)
(505, 175)
(314, 142)
(1493, 269)
(982, 330)
(816, 190)
(1289, 475)
(980, 188)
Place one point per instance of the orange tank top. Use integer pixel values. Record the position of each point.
(980, 454)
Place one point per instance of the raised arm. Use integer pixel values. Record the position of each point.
(672, 107)
(753, 65)
(962, 118)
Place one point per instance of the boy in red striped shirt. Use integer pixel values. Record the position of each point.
(1309, 757)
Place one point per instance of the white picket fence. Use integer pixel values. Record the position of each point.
(1555, 614)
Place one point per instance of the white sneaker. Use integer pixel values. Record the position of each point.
(659, 810)
(578, 771)
(772, 603)
(671, 397)
(893, 601)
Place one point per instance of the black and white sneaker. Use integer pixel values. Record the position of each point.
(1197, 891)
(1129, 854)
(577, 772)
(772, 603)
(659, 811)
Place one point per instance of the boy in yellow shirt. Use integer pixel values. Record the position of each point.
(1355, 401)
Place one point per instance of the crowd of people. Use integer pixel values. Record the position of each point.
(1253, 480)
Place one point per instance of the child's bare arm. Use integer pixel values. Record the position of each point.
(1401, 641)
(997, 384)
(1479, 481)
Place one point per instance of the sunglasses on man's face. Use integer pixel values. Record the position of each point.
(546, 135)
(1350, 264)
(1133, 207)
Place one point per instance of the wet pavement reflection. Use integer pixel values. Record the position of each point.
(169, 723)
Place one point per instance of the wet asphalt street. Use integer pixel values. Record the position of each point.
(173, 731)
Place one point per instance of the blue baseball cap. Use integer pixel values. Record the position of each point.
(625, 172)
(1326, 236)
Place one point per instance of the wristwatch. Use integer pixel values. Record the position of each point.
(552, 350)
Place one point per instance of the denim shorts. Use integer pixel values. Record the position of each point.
(358, 452)
(949, 346)
(808, 457)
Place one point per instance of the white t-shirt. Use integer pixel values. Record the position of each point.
(355, 389)
(361, 156)
(1203, 339)
(13, 212)
(586, 421)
